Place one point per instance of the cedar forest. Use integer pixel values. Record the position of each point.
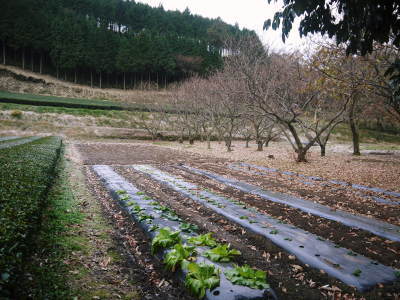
(111, 43)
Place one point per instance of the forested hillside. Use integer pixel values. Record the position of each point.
(111, 43)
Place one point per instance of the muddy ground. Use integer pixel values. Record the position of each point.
(288, 277)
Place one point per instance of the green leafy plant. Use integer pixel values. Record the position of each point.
(397, 274)
(351, 253)
(139, 193)
(357, 273)
(200, 278)
(154, 227)
(244, 217)
(121, 192)
(221, 253)
(165, 239)
(253, 278)
(147, 218)
(274, 231)
(188, 227)
(177, 255)
(203, 240)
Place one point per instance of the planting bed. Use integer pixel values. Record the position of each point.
(314, 180)
(341, 263)
(379, 228)
(340, 198)
(267, 233)
(154, 218)
(26, 174)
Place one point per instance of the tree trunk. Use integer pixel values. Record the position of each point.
(323, 148)
(301, 156)
(228, 144)
(355, 137)
(32, 60)
(57, 72)
(41, 63)
(191, 141)
(23, 58)
(65, 76)
(124, 81)
(4, 52)
(209, 142)
(353, 127)
(91, 78)
(247, 143)
(260, 144)
(75, 77)
(100, 79)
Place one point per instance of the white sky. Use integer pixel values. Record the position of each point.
(247, 13)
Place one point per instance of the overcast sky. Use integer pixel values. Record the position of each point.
(247, 13)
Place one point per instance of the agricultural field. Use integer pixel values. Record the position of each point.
(312, 236)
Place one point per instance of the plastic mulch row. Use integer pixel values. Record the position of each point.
(343, 264)
(7, 138)
(380, 228)
(19, 142)
(226, 290)
(337, 182)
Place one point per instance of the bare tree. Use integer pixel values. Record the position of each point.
(277, 86)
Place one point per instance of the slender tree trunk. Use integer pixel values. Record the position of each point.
(91, 78)
(23, 58)
(353, 127)
(228, 144)
(57, 72)
(75, 77)
(100, 79)
(209, 142)
(157, 80)
(323, 149)
(191, 140)
(4, 52)
(124, 82)
(65, 75)
(260, 144)
(41, 63)
(247, 143)
(32, 60)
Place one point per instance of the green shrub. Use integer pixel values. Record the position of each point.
(26, 174)
(17, 114)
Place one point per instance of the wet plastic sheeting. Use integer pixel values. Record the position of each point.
(380, 228)
(7, 138)
(226, 291)
(19, 142)
(309, 248)
(314, 178)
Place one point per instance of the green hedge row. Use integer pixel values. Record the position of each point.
(39, 100)
(26, 174)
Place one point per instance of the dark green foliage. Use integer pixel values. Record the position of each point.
(256, 279)
(26, 174)
(357, 23)
(8, 97)
(124, 41)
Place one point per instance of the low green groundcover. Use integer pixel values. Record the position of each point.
(26, 174)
